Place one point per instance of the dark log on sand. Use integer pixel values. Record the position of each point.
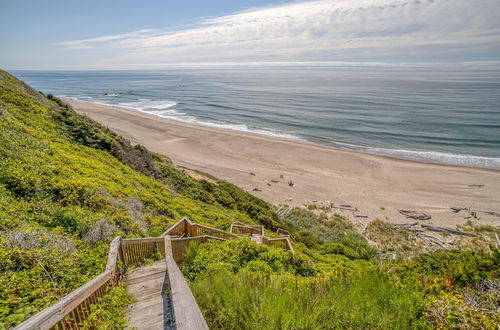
(415, 215)
(458, 209)
(448, 230)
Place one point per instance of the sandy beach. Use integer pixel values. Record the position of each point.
(378, 187)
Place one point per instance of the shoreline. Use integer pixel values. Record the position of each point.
(321, 174)
(300, 140)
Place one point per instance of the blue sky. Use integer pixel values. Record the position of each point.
(111, 34)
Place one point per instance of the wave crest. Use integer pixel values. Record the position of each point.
(439, 157)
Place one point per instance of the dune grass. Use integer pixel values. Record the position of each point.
(246, 301)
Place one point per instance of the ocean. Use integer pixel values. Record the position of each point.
(450, 117)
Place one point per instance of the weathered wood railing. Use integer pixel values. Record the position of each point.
(282, 242)
(179, 229)
(187, 228)
(246, 230)
(73, 309)
(200, 230)
(135, 250)
(186, 312)
(185, 231)
(179, 246)
(282, 232)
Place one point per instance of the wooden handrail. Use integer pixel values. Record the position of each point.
(282, 232)
(268, 241)
(190, 233)
(187, 314)
(54, 314)
(251, 229)
(176, 225)
(214, 230)
(113, 254)
(196, 237)
(128, 241)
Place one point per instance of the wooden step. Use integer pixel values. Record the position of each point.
(148, 285)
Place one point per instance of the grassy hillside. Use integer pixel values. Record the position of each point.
(69, 185)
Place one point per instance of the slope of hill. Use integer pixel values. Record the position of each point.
(69, 185)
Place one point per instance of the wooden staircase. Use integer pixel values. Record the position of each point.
(162, 295)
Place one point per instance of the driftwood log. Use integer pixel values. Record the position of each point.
(448, 230)
(458, 209)
(344, 207)
(496, 214)
(415, 215)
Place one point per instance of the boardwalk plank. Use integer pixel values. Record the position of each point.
(148, 286)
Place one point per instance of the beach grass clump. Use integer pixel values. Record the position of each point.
(391, 239)
(327, 234)
(262, 301)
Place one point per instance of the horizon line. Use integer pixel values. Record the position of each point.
(254, 64)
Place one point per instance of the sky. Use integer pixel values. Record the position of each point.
(125, 34)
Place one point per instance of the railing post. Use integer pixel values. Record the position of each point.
(168, 246)
(121, 254)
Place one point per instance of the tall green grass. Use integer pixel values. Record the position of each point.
(249, 301)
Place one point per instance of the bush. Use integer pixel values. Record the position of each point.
(109, 313)
(235, 254)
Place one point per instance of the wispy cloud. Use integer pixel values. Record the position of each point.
(105, 40)
(321, 30)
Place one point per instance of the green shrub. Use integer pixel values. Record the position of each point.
(450, 268)
(109, 313)
(235, 254)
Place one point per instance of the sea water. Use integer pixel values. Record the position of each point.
(450, 117)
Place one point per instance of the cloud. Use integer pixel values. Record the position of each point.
(95, 42)
(321, 30)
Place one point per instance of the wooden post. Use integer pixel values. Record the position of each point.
(168, 246)
(121, 254)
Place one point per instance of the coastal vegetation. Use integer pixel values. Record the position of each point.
(69, 185)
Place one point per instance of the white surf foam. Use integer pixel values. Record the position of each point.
(439, 157)
(244, 128)
(148, 105)
(164, 109)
